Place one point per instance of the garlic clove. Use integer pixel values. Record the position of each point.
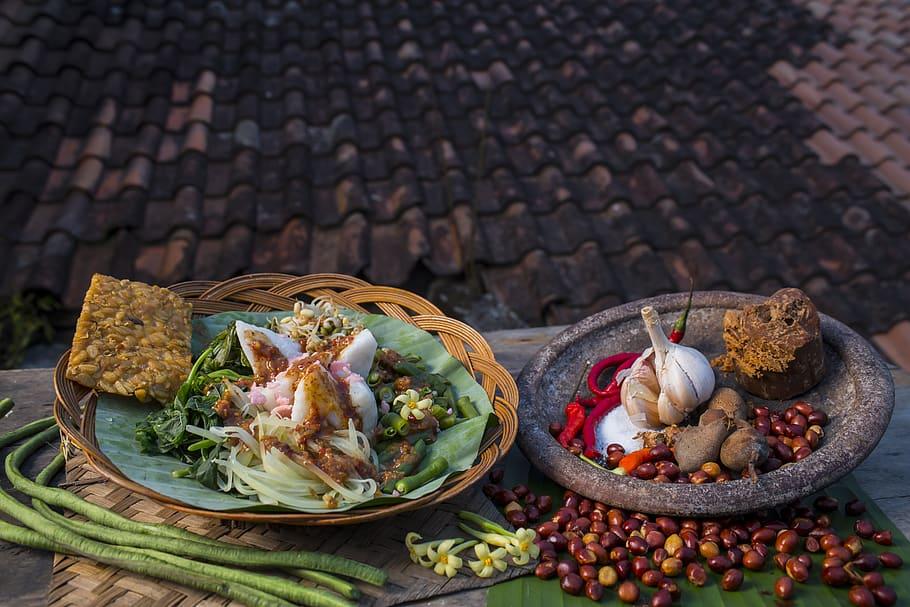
(639, 391)
(639, 402)
(686, 378)
(667, 412)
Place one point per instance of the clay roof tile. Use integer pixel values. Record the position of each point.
(615, 142)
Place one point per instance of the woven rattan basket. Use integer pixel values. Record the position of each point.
(75, 405)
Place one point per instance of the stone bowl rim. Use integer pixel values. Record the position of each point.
(872, 409)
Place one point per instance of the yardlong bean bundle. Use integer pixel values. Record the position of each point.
(215, 554)
(339, 585)
(280, 587)
(48, 530)
(65, 499)
(108, 555)
(58, 538)
(342, 587)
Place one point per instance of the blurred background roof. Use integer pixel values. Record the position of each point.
(564, 156)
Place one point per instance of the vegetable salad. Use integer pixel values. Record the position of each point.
(306, 412)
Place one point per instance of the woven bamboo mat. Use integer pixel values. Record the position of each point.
(81, 582)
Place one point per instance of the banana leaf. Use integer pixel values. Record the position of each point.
(116, 419)
(758, 586)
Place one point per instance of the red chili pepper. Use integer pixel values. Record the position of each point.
(575, 421)
(609, 402)
(587, 403)
(606, 363)
(679, 327)
(633, 460)
(613, 387)
(589, 433)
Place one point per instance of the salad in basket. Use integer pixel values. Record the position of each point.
(310, 411)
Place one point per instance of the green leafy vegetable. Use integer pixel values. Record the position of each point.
(163, 432)
(226, 354)
(205, 470)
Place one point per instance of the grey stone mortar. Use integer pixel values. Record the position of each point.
(857, 393)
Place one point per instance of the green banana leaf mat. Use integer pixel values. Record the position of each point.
(758, 586)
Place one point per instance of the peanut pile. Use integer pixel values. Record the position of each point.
(593, 548)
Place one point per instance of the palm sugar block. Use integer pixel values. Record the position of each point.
(775, 347)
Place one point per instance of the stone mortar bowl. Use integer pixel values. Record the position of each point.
(857, 393)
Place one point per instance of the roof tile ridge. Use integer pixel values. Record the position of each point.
(827, 131)
(878, 42)
(703, 130)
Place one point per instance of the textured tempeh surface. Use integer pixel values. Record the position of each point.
(79, 581)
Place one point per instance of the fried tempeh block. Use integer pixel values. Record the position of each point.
(131, 339)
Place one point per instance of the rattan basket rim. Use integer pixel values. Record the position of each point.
(74, 407)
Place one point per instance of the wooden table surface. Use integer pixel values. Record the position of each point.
(885, 475)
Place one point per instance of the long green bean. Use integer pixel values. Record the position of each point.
(6, 405)
(202, 444)
(394, 425)
(142, 565)
(50, 471)
(22, 536)
(436, 467)
(272, 584)
(342, 587)
(407, 368)
(215, 554)
(56, 537)
(65, 499)
(405, 464)
(466, 408)
(27, 430)
(280, 587)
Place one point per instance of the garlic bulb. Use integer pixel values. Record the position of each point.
(667, 381)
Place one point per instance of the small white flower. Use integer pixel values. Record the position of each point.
(522, 547)
(412, 405)
(444, 559)
(417, 552)
(489, 562)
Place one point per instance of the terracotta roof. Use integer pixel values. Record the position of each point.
(581, 153)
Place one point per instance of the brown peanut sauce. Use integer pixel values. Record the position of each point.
(391, 471)
(312, 434)
(275, 361)
(333, 346)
